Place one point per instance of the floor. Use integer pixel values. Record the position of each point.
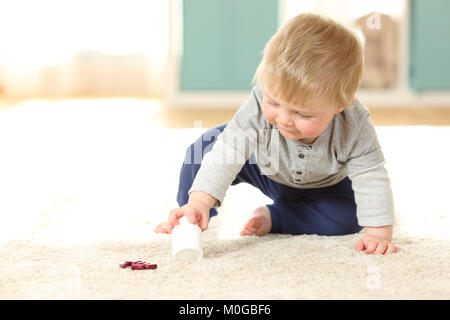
(383, 116)
(165, 116)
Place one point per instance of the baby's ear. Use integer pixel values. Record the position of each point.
(339, 110)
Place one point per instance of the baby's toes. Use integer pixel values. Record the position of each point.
(254, 223)
(251, 227)
(247, 231)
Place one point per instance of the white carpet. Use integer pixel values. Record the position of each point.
(84, 183)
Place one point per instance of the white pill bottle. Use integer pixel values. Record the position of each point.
(187, 241)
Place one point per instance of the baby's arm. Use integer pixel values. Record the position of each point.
(220, 165)
(202, 198)
(373, 194)
(232, 147)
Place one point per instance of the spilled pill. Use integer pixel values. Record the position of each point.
(138, 265)
(126, 264)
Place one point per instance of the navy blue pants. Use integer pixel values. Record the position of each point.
(323, 211)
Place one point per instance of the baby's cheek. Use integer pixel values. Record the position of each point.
(269, 115)
(309, 129)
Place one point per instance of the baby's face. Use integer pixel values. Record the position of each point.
(295, 122)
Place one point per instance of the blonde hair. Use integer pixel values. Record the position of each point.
(312, 58)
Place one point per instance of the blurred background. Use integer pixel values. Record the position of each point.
(193, 60)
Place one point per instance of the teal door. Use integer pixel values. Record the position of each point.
(223, 42)
(429, 45)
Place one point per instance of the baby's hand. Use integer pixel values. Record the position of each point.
(371, 244)
(194, 214)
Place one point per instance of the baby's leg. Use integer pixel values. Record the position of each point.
(309, 218)
(326, 211)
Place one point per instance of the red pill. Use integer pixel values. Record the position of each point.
(137, 267)
(126, 264)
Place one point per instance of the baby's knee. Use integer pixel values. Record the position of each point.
(340, 229)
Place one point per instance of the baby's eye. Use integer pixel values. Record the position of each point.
(303, 116)
(274, 104)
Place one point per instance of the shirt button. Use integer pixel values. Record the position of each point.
(301, 155)
(299, 172)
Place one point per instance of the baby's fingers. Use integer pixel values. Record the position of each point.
(203, 221)
(371, 245)
(381, 248)
(174, 215)
(391, 249)
(164, 227)
(360, 245)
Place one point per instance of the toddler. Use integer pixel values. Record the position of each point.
(303, 139)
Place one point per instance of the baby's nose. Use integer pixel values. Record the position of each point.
(285, 120)
(285, 117)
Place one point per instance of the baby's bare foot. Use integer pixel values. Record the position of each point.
(259, 223)
(164, 227)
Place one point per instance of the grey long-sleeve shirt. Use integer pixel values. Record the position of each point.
(348, 147)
